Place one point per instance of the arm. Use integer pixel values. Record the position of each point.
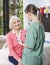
(11, 49)
(30, 40)
(24, 45)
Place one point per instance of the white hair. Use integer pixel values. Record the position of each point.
(11, 20)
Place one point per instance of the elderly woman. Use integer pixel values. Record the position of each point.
(14, 38)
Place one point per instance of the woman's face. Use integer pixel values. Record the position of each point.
(16, 24)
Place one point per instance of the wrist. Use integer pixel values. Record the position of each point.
(19, 60)
(23, 45)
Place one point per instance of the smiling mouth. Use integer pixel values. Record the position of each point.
(18, 25)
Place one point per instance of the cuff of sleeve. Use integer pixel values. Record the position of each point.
(19, 60)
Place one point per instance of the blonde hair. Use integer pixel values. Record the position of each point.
(11, 20)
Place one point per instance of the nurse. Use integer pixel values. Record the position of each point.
(35, 37)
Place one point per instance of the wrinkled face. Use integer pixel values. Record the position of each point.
(16, 24)
(29, 16)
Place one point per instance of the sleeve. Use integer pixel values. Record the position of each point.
(11, 49)
(23, 35)
(31, 38)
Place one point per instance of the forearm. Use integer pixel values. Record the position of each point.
(24, 45)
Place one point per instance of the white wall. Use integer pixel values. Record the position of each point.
(38, 3)
(25, 3)
(46, 2)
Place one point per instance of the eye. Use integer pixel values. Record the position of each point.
(18, 21)
(14, 22)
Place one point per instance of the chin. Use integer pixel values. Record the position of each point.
(30, 20)
(18, 28)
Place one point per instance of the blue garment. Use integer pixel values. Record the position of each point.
(13, 60)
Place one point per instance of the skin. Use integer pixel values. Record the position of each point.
(31, 17)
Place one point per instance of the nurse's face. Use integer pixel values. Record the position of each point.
(29, 16)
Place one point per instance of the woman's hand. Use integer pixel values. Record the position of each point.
(22, 44)
(20, 62)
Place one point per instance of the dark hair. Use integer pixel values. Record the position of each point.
(31, 8)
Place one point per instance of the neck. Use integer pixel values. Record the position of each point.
(17, 31)
(35, 19)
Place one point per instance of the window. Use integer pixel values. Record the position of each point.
(7, 9)
(16, 7)
(1, 17)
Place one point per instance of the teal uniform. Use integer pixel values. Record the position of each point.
(35, 38)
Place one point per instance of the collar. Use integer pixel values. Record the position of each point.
(13, 31)
(18, 36)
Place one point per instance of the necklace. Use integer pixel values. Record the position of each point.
(19, 37)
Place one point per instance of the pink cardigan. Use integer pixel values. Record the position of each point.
(15, 49)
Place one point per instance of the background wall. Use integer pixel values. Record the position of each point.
(38, 3)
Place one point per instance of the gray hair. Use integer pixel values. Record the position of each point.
(11, 20)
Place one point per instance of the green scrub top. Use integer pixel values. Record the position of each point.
(35, 38)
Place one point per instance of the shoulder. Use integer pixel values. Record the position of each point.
(24, 31)
(36, 25)
(9, 34)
